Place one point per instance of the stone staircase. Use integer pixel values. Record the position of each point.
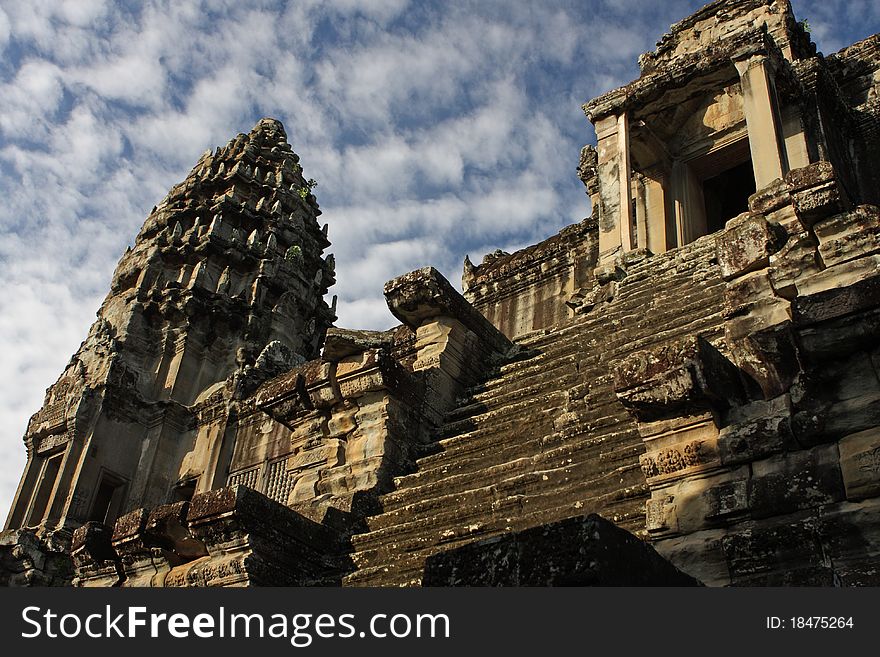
(544, 438)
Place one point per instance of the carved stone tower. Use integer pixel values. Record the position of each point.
(227, 268)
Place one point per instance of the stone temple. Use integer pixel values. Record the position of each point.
(682, 388)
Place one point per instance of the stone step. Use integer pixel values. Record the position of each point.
(556, 444)
(531, 370)
(592, 454)
(642, 334)
(503, 464)
(493, 444)
(542, 489)
(544, 337)
(586, 364)
(404, 562)
(592, 411)
(663, 304)
(509, 397)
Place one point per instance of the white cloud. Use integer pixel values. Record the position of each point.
(30, 100)
(4, 28)
(82, 13)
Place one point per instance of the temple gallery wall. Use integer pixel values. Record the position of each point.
(681, 389)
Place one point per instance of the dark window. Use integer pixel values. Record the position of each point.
(727, 195)
(102, 501)
(108, 499)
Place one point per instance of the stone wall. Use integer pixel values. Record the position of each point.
(761, 461)
(536, 287)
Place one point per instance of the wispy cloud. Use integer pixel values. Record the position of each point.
(434, 129)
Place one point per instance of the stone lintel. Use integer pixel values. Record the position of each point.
(694, 65)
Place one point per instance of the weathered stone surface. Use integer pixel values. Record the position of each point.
(677, 378)
(860, 464)
(815, 192)
(27, 560)
(585, 551)
(755, 431)
(340, 343)
(533, 289)
(425, 294)
(745, 245)
(715, 394)
(839, 290)
(849, 235)
(792, 264)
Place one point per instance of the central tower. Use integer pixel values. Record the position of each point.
(225, 272)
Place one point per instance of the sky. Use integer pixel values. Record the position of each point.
(434, 130)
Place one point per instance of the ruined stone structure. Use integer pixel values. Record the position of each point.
(696, 363)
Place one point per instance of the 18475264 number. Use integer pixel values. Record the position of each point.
(810, 623)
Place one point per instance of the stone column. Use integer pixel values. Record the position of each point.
(615, 191)
(21, 504)
(656, 240)
(689, 204)
(762, 119)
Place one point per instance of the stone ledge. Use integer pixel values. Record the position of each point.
(684, 377)
(425, 294)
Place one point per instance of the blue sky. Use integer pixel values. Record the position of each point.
(434, 130)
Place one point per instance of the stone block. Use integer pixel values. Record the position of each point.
(700, 554)
(768, 356)
(340, 343)
(770, 198)
(797, 259)
(584, 551)
(128, 532)
(786, 483)
(841, 337)
(342, 420)
(425, 293)
(745, 245)
(329, 453)
(849, 235)
(815, 192)
(754, 440)
(860, 464)
(91, 545)
(751, 302)
(684, 377)
(698, 503)
(840, 290)
(166, 528)
(755, 551)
